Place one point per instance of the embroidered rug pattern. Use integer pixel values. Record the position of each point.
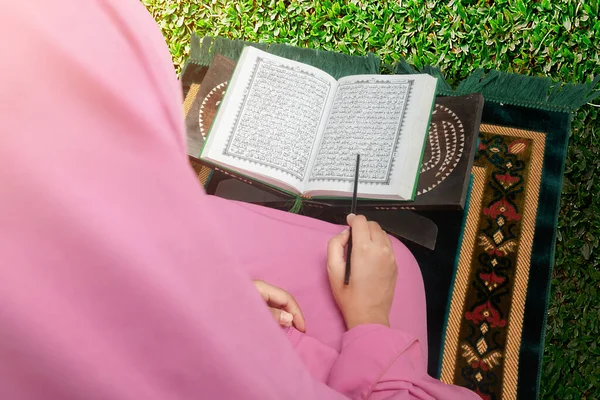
(484, 326)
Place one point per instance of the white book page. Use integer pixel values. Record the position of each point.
(385, 119)
(271, 115)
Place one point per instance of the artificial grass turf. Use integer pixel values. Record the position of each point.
(556, 38)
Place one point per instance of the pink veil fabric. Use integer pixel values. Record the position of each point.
(119, 279)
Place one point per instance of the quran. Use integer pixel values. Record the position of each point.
(297, 129)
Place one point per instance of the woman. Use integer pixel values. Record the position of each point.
(122, 280)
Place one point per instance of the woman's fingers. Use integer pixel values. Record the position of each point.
(284, 318)
(350, 218)
(377, 234)
(275, 297)
(335, 251)
(360, 229)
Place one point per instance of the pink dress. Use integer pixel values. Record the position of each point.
(119, 278)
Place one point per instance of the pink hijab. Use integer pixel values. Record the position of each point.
(105, 292)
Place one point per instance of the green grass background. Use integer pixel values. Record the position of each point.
(555, 38)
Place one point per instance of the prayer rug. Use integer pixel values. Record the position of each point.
(487, 283)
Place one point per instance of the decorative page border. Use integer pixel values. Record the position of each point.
(238, 114)
(390, 167)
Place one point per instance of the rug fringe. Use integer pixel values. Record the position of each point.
(500, 87)
(520, 90)
(203, 50)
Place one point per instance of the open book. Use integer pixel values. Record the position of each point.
(296, 128)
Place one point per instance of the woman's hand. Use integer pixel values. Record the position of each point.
(368, 297)
(283, 306)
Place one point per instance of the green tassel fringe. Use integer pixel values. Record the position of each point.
(337, 65)
(519, 90)
(499, 87)
(297, 207)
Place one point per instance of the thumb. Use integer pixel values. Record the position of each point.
(335, 253)
(349, 218)
(282, 317)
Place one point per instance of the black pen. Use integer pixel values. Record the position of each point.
(352, 211)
